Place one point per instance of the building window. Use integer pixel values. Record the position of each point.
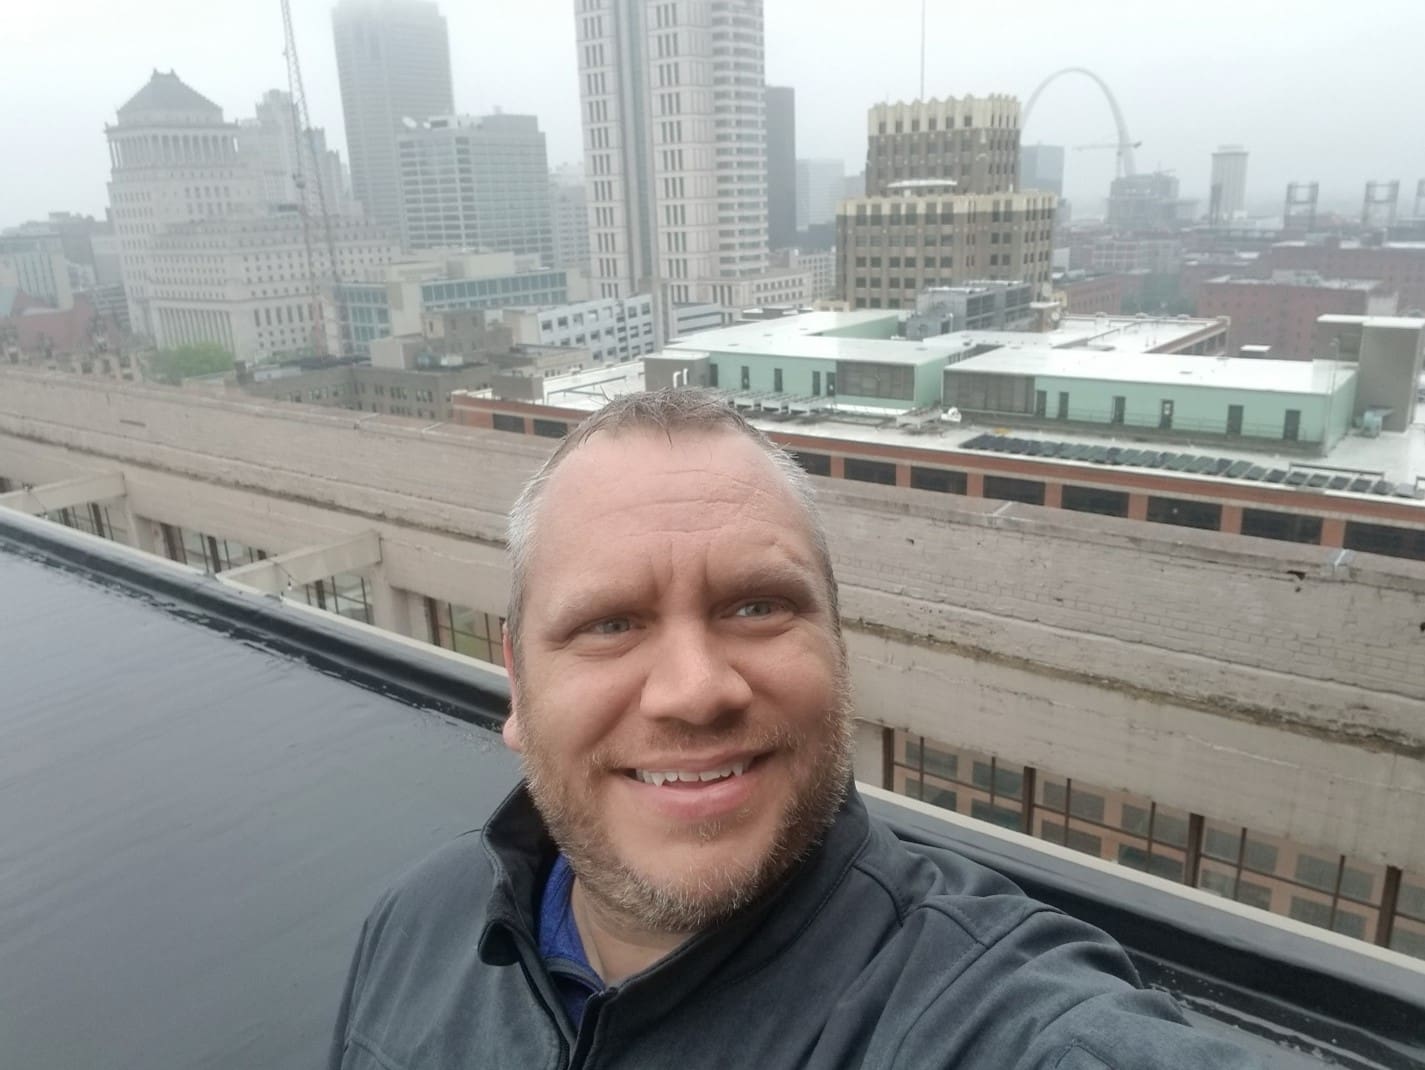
(550, 428)
(1383, 539)
(776, 380)
(938, 479)
(867, 471)
(1184, 513)
(1095, 500)
(746, 377)
(817, 464)
(1286, 527)
(505, 422)
(466, 631)
(1029, 491)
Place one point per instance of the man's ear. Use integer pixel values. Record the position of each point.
(514, 737)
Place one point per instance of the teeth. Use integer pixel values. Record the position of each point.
(675, 776)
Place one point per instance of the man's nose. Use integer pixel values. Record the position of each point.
(691, 677)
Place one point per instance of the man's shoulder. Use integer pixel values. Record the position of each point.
(460, 872)
(931, 882)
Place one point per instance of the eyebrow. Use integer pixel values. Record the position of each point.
(788, 578)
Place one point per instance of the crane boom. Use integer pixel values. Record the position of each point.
(307, 163)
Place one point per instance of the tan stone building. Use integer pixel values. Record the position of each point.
(890, 248)
(970, 141)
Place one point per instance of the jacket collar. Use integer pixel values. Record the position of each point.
(521, 851)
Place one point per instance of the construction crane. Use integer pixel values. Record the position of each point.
(305, 164)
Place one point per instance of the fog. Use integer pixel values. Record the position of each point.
(1314, 90)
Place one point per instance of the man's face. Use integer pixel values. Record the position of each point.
(676, 621)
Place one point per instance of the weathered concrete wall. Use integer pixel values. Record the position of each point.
(1277, 685)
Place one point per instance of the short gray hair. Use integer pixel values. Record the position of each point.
(669, 411)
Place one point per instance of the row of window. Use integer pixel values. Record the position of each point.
(1182, 512)
(1359, 899)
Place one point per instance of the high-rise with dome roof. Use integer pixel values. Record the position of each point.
(174, 160)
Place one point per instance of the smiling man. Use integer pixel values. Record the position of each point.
(687, 877)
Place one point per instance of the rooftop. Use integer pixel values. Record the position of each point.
(870, 335)
(168, 93)
(1398, 458)
(1166, 369)
(1301, 278)
(279, 767)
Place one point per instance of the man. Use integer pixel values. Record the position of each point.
(687, 877)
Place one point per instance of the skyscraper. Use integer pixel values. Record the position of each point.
(781, 166)
(569, 206)
(821, 185)
(1229, 184)
(393, 58)
(1042, 167)
(174, 160)
(476, 183)
(268, 143)
(673, 100)
(972, 142)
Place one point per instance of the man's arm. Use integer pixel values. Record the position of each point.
(348, 996)
(1052, 993)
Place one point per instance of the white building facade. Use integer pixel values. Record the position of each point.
(673, 106)
(174, 160)
(613, 329)
(569, 206)
(476, 183)
(1227, 200)
(268, 143)
(244, 283)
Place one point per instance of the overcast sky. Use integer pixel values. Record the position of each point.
(1326, 91)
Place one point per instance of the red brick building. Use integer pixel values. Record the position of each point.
(1281, 311)
(1400, 265)
(1096, 293)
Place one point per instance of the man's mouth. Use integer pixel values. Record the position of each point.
(677, 777)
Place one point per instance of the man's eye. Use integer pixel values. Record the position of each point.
(762, 608)
(612, 626)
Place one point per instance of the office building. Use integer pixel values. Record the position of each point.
(1227, 199)
(569, 209)
(480, 184)
(889, 249)
(610, 329)
(268, 142)
(976, 306)
(782, 179)
(1042, 167)
(1400, 265)
(1276, 316)
(820, 262)
(673, 101)
(392, 299)
(972, 142)
(174, 161)
(820, 187)
(35, 264)
(393, 60)
(243, 282)
(1146, 202)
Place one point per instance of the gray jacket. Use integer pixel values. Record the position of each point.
(872, 954)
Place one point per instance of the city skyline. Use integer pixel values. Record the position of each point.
(1271, 96)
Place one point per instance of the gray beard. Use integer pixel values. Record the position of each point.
(692, 902)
